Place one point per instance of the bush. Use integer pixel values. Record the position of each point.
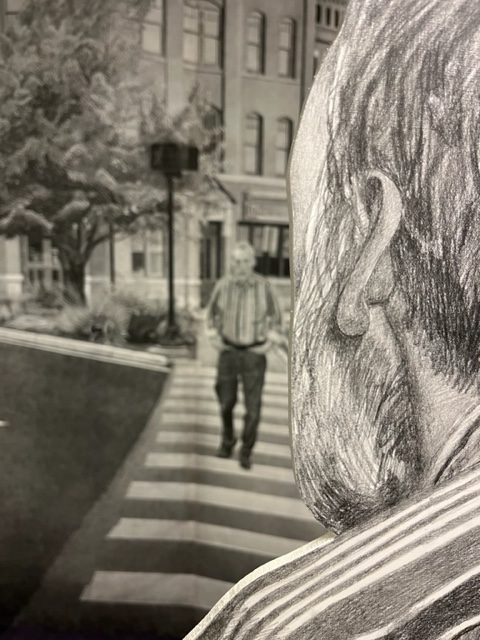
(119, 317)
(137, 303)
(186, 323)
(104, 322)
(53, 298)
(142, 327)
(6, 311)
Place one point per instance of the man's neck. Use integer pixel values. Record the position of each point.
(448, 417)
(243, 279)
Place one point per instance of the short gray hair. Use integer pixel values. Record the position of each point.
(244, 247)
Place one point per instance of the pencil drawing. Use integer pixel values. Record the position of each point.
(385, 346)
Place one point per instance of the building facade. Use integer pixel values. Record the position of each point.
(255, 60)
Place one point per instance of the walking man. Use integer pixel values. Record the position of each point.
(243, 319)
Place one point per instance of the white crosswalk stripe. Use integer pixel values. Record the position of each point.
(220, 497)
(204, 393)
(171, 418)
(191, 531)
(169, 437)
(209, 463)
(124, 587)
(198, 406)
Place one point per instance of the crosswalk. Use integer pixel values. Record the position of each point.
(192, 524)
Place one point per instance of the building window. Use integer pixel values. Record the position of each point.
(42, 266)
(156, 253)
(191, 34)
(271, 244)
(202, 33)
(153, 29)
(213, 120)
(283, 144)
(138, 254)
(211, 251)
(12, 9)
(253, 144)
(148, 253)
(255, 45)
(286, 49)
(328, 16)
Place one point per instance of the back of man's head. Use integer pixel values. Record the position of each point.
(397, 94)
(402, 89)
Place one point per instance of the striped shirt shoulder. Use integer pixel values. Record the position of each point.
(412, 573)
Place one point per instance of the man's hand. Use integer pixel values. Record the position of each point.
(262, 348)
(215, 340)
(278, 339)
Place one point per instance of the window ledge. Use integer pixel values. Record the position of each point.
(149, 55)
(204, 68)
(254, 74)
(271, 78)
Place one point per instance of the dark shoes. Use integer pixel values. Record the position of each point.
(225, 450)
(245, 461)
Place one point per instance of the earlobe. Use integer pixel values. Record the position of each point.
(371, 281)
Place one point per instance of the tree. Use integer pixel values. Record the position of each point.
(67, 98)
(62, 86)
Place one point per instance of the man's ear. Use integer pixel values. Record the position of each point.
(371, 281)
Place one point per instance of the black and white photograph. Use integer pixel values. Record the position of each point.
(239, 309)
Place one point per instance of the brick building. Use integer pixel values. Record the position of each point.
(256, 60)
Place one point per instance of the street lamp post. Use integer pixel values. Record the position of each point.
(172, 159)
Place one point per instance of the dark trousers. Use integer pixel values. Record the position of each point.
(249, 367)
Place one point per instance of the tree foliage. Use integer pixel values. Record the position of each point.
(68, 94)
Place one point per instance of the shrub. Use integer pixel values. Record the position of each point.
(52, 298)
(142, 327)
(6, 311)
(186, 323)
(72, 320)
(104, 322)
(137, 303)
(118, 317)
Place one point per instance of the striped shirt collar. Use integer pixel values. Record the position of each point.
(248, 281)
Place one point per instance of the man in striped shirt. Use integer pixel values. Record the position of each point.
(385, 369)
(243, 317)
